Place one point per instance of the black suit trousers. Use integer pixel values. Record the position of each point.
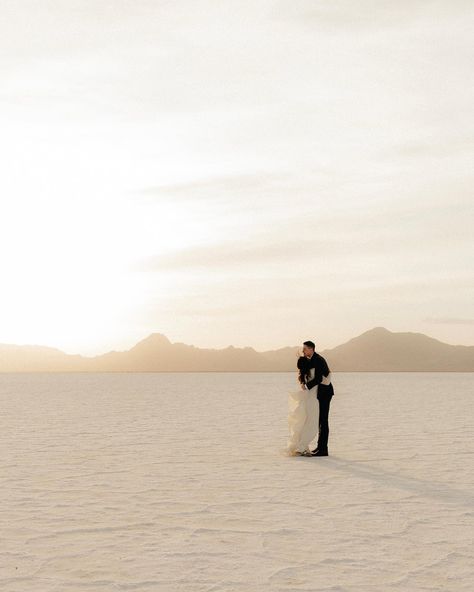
(324, 396)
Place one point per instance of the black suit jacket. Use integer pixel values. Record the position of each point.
(320, 366)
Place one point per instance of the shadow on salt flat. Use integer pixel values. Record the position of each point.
(437, 491)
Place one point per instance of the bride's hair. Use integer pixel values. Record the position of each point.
(303, 368)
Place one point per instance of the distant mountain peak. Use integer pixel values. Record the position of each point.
(376, 334)
(153, 340)
(378, 331)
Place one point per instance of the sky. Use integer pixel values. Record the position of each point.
(235, 173)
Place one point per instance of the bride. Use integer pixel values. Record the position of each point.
(303, 412)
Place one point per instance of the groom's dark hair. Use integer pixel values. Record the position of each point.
(309, 344)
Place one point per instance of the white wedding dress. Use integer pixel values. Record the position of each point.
(303, 418)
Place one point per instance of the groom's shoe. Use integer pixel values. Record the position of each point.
(319, 453)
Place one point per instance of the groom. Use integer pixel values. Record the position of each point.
(325, 391)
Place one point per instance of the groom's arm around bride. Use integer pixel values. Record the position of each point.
(321, 370)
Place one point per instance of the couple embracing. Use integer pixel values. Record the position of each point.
(305, 420)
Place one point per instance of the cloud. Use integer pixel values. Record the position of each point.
(448, 321)
(223, 187)
(232, 254)
(347, 17)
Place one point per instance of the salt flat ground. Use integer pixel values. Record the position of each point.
(170, 482)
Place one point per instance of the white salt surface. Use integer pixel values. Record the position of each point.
(176, 482)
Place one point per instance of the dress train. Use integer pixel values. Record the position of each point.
(303, 413)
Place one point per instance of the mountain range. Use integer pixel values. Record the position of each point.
(376, 350)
